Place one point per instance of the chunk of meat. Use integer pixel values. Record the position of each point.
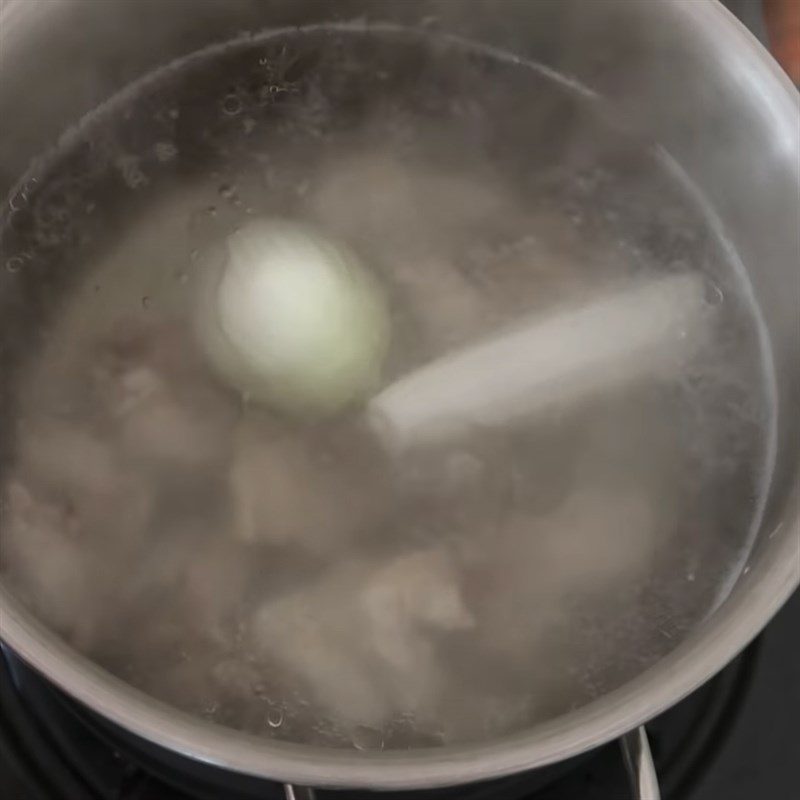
(156, 425)
(375, 194)
(412, 590)
(87, 476)
(374, 197)
(402, 604)
(309, 634)
(65, 456)
(59, 580)
(214, 587)
(363, 638)
(594, 540)
(312, 490)
(450, 309)
(597, 538)
(155, 392)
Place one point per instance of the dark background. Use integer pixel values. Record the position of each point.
(761, 760)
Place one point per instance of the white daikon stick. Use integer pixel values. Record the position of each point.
(544, 363)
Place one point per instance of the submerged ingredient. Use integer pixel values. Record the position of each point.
(293, 319)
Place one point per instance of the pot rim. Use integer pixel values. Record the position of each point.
(731, 627)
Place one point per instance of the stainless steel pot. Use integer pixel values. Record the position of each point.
(683, 72)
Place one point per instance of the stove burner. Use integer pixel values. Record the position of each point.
(58, 750)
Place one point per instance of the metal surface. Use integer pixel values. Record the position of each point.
(299, 792)
(639, 764)
(686, 74)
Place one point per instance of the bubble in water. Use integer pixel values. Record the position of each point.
(263, 61)
(14, 264)
(267, 93)
(210, 708)
(227, 192)
(146, 302)
(174, 113)
(275, 717)
(714, 296)
(232, 104)
(18, 201)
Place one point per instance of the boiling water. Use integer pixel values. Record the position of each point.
(290, 579)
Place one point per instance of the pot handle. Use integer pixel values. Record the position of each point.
(299, 792)
(635, 752)
(639, 765)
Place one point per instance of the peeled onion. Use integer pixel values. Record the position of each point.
(294, 320)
